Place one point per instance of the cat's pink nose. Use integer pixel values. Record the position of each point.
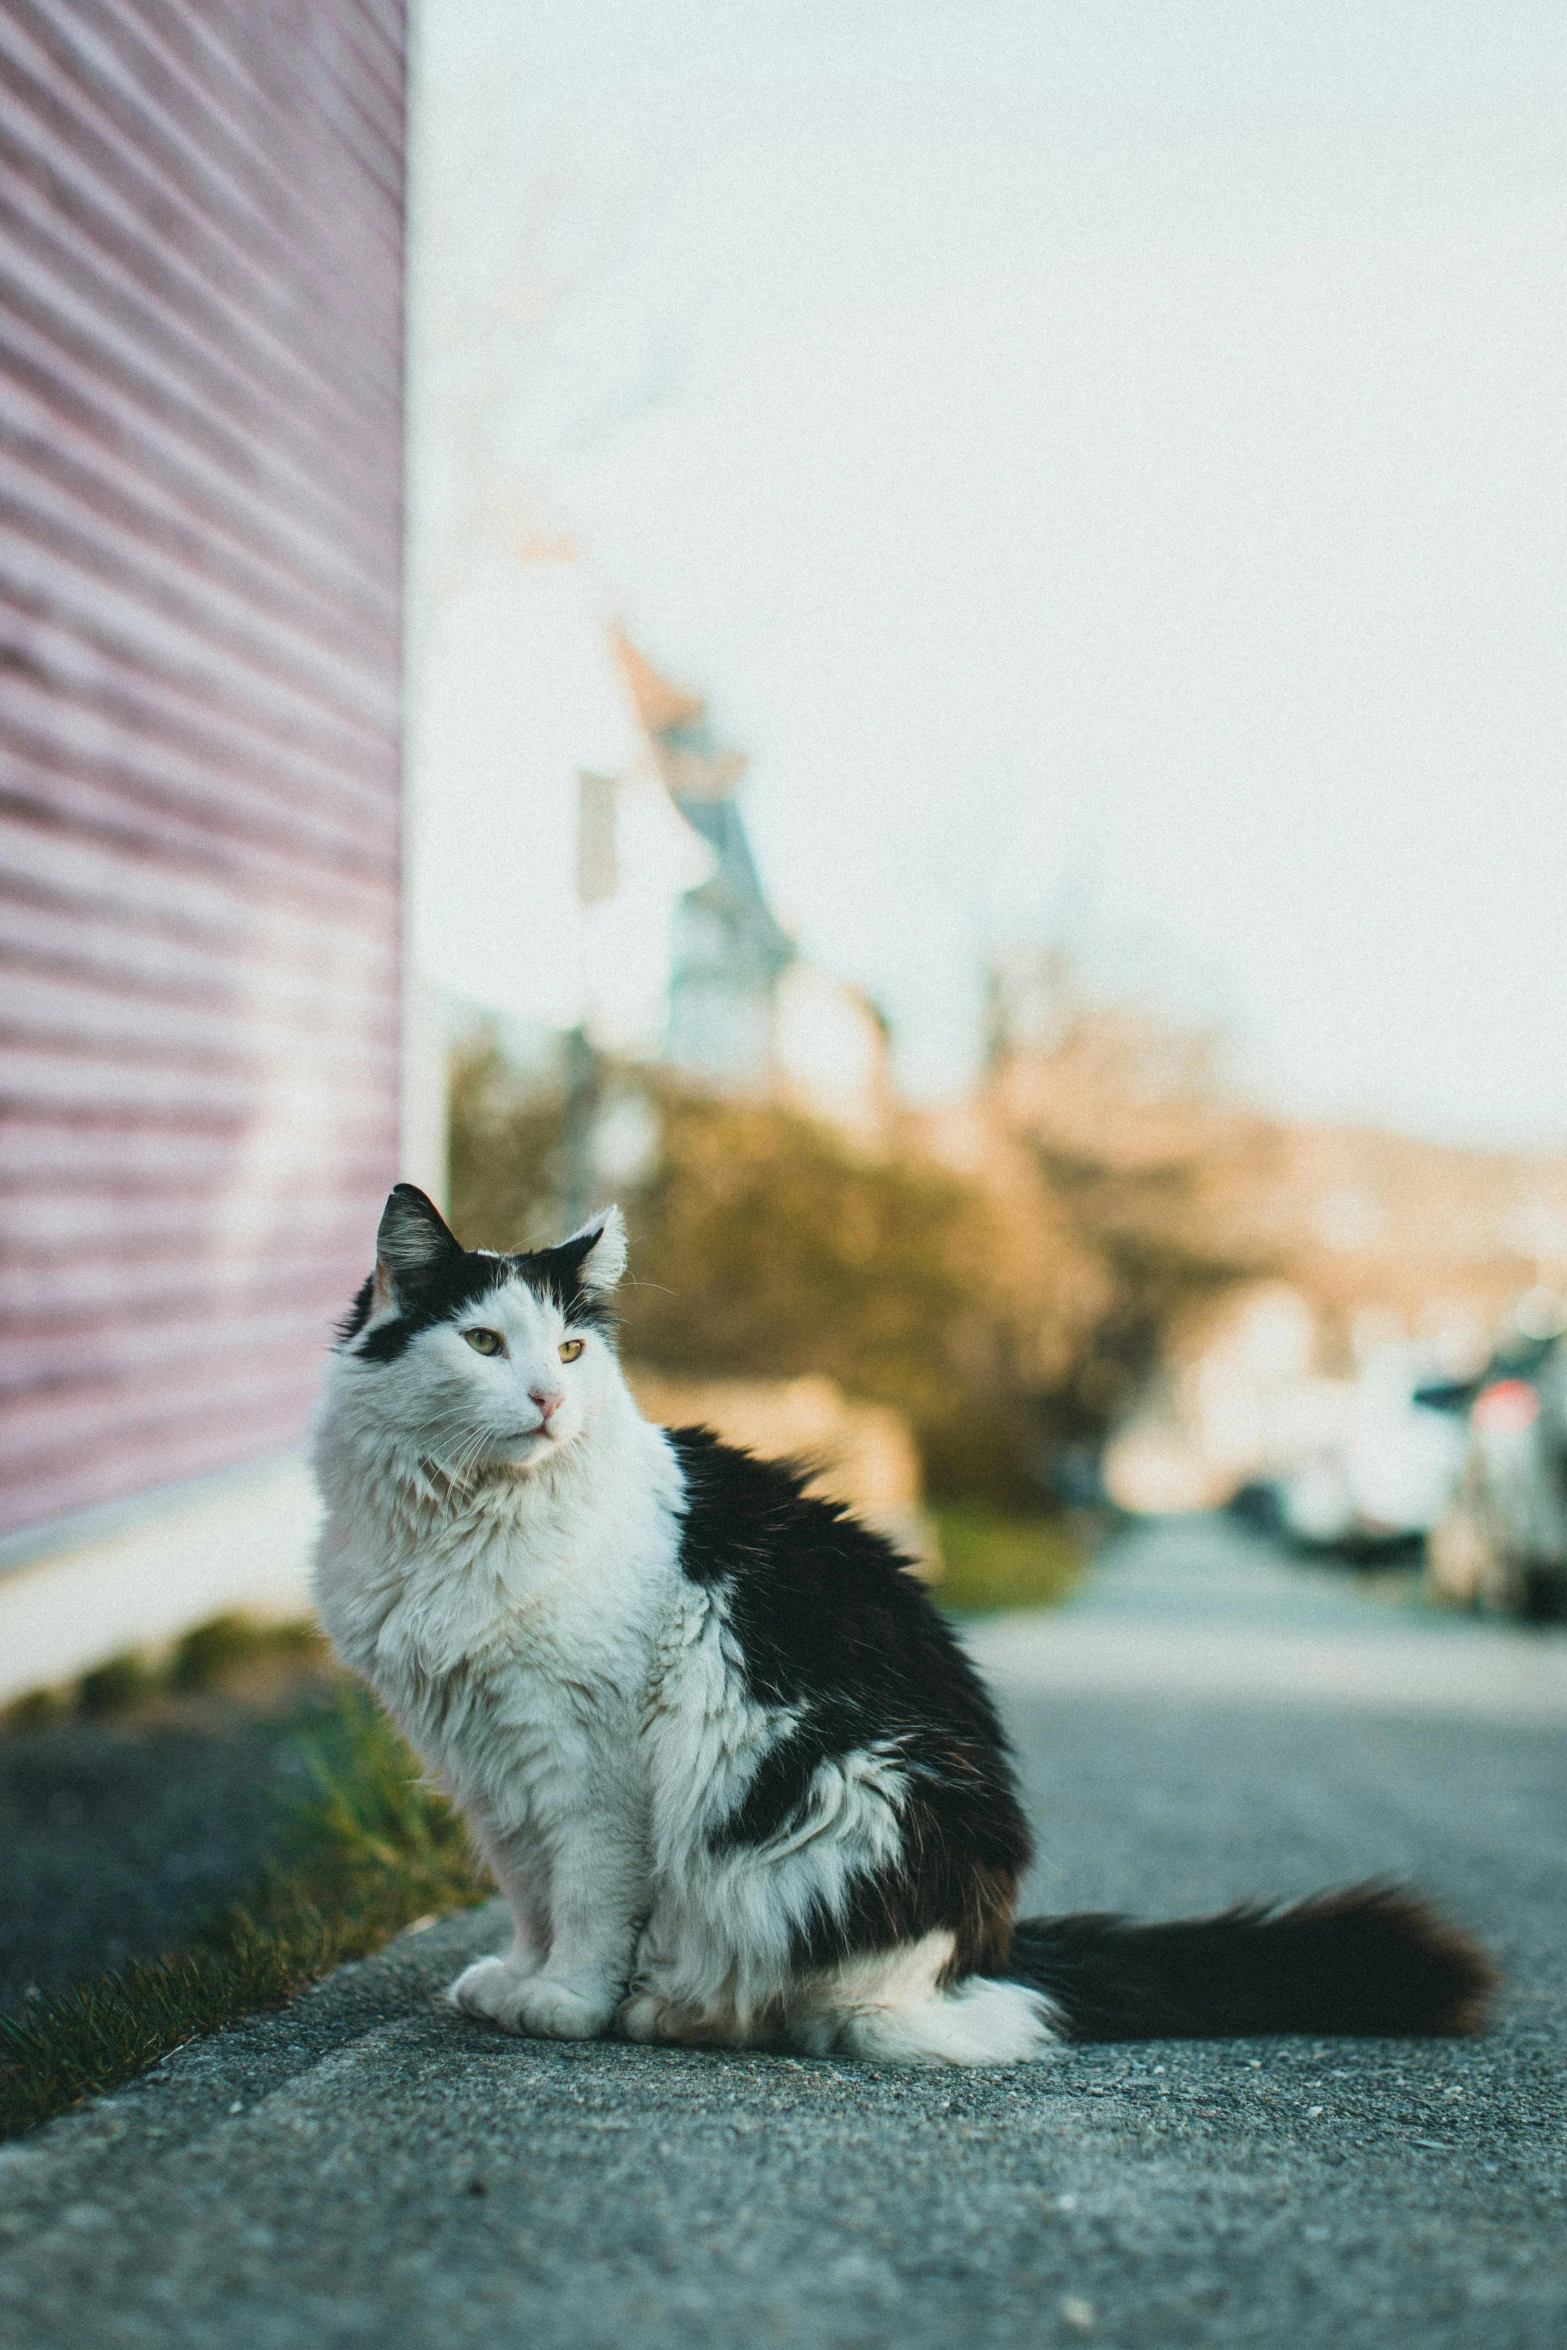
(545, 1402)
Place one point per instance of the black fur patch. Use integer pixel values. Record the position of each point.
(557, 1273)
(1369, 1961)
(831, 1624)
(453, 1279)
(358, 1313)
(440, 1294)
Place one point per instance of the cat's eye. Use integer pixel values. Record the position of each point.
(485, 1342)
(571, 1349)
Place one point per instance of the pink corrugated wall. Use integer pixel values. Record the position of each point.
(201, 240)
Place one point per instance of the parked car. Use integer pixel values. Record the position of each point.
(1385, 1478)
(1502, 1540)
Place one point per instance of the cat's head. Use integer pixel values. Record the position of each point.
(476, 1361)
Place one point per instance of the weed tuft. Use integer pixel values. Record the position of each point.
(114, 1687)
(38, 1709)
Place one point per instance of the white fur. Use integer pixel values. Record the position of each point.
(512, 1589)
(603, 1268)
(888, 2007)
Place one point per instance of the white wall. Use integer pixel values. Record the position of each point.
(141, 1575)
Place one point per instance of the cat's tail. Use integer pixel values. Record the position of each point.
(1371, 1960)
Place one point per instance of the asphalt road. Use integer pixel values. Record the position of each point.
(365, 2169)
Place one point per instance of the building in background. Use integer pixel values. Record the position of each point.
(832, 1048)
(728, 951)
(550, 860)
(583, 871)
(201, 305)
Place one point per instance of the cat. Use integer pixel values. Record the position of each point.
(730, 1767)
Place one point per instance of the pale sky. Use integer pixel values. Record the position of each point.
(1105, 462)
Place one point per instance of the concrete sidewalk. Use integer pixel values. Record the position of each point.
(1200, 1609)
(365, 2168)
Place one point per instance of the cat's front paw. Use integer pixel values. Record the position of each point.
(554, 2011)
(491, 1990)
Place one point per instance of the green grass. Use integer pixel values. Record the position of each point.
(368, 1852)
(998, 1560)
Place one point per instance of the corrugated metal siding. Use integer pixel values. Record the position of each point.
(201, 239)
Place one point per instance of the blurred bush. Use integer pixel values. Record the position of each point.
(1128, 1184)
(215, 1653)
(267, 1663)
(764, 1245)
(998, 1559)
(1007, 1273)
(115, 1687)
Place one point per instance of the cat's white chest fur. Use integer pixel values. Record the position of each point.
(513, 1639)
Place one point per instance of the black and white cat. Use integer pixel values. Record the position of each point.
(732, 1771)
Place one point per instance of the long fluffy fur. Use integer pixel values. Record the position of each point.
(735, 1775)
(1370, 1960)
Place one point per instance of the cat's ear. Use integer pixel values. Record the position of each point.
(413, 1240)
(597, 1254)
